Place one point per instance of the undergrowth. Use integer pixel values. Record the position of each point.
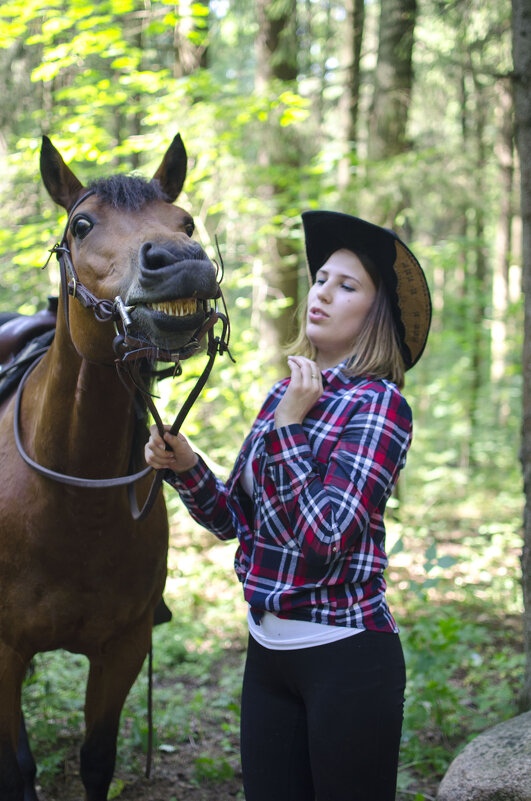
(453, 588)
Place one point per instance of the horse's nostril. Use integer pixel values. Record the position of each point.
(155, 257)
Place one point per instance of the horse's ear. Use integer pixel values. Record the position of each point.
(172, 170)
(59, 180)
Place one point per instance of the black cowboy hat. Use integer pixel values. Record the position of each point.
(328, 231)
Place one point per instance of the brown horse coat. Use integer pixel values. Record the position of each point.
(76, 571)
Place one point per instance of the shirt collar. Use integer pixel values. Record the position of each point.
(336, 375)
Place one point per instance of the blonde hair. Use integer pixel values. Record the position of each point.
(376, 352)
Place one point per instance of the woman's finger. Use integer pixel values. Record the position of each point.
(307, 371)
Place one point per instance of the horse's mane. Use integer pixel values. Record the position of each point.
(128, 192)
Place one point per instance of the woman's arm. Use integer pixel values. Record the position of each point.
(205, 496)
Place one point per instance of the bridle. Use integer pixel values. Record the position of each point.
(128, 351)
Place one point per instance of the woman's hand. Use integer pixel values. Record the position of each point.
(180, 458)
(303, 391)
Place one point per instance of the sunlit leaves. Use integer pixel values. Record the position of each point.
(81, 47)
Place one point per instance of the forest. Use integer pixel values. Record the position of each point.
(397, 111)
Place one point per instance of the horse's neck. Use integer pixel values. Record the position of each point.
(81, 417)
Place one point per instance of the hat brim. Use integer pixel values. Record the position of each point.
(407, 288)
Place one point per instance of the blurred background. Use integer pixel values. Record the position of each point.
(398, 111)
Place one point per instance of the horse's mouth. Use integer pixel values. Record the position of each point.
(171, 301)
(169, 324)
(171, 316)
(184, 307)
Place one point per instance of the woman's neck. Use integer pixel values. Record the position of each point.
(326, 361)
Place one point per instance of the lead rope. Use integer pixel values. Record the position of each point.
(215, 345)
(149, 755)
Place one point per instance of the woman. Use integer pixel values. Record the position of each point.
(323, 688)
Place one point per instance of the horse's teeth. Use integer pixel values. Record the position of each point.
(176, 308)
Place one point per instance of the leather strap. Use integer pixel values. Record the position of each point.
(62, 478)
(215, 344)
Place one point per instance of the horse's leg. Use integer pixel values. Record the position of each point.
(26, 763)
(111, 676)
(12, 672)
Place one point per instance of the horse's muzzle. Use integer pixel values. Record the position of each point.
(175, 270)
(170, 296)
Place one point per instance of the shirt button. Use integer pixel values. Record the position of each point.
(334, 548)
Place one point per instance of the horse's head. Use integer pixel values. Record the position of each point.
(125, 238)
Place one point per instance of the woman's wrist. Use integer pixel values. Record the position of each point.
(185, 466)
(285, 420)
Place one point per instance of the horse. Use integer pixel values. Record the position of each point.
(77, 570)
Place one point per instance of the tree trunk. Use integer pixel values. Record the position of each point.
(349, 102)
(277, 51)
(478, 287)
(500, 290)
(393, 79)
(522, 96)
(190, 40)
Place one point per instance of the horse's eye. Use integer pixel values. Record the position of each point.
(189, 228)
(81, 226)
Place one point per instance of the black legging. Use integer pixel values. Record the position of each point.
(323, 723)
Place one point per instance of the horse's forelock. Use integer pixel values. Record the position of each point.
(128, 192)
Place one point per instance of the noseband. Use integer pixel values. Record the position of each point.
(129, 350)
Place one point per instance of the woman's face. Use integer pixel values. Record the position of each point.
(338, 304)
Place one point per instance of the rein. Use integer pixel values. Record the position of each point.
(128, 350)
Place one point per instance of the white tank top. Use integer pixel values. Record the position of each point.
(284, 634)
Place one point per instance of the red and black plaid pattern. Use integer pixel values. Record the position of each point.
(312, 542)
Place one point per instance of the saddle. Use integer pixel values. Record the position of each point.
(21, 328)
(23, 338)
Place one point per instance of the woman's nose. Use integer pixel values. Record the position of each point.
(323, 292)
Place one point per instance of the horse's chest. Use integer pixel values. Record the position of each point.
(97, 542)
(86, 563)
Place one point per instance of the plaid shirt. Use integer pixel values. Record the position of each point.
(312, 540)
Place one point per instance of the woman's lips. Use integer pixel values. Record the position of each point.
(315, 314)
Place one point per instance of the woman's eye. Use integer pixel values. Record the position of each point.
(189, 228)
(349, 288)
(81, 226)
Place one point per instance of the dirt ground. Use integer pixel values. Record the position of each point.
(172, 779)
(174, 768)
